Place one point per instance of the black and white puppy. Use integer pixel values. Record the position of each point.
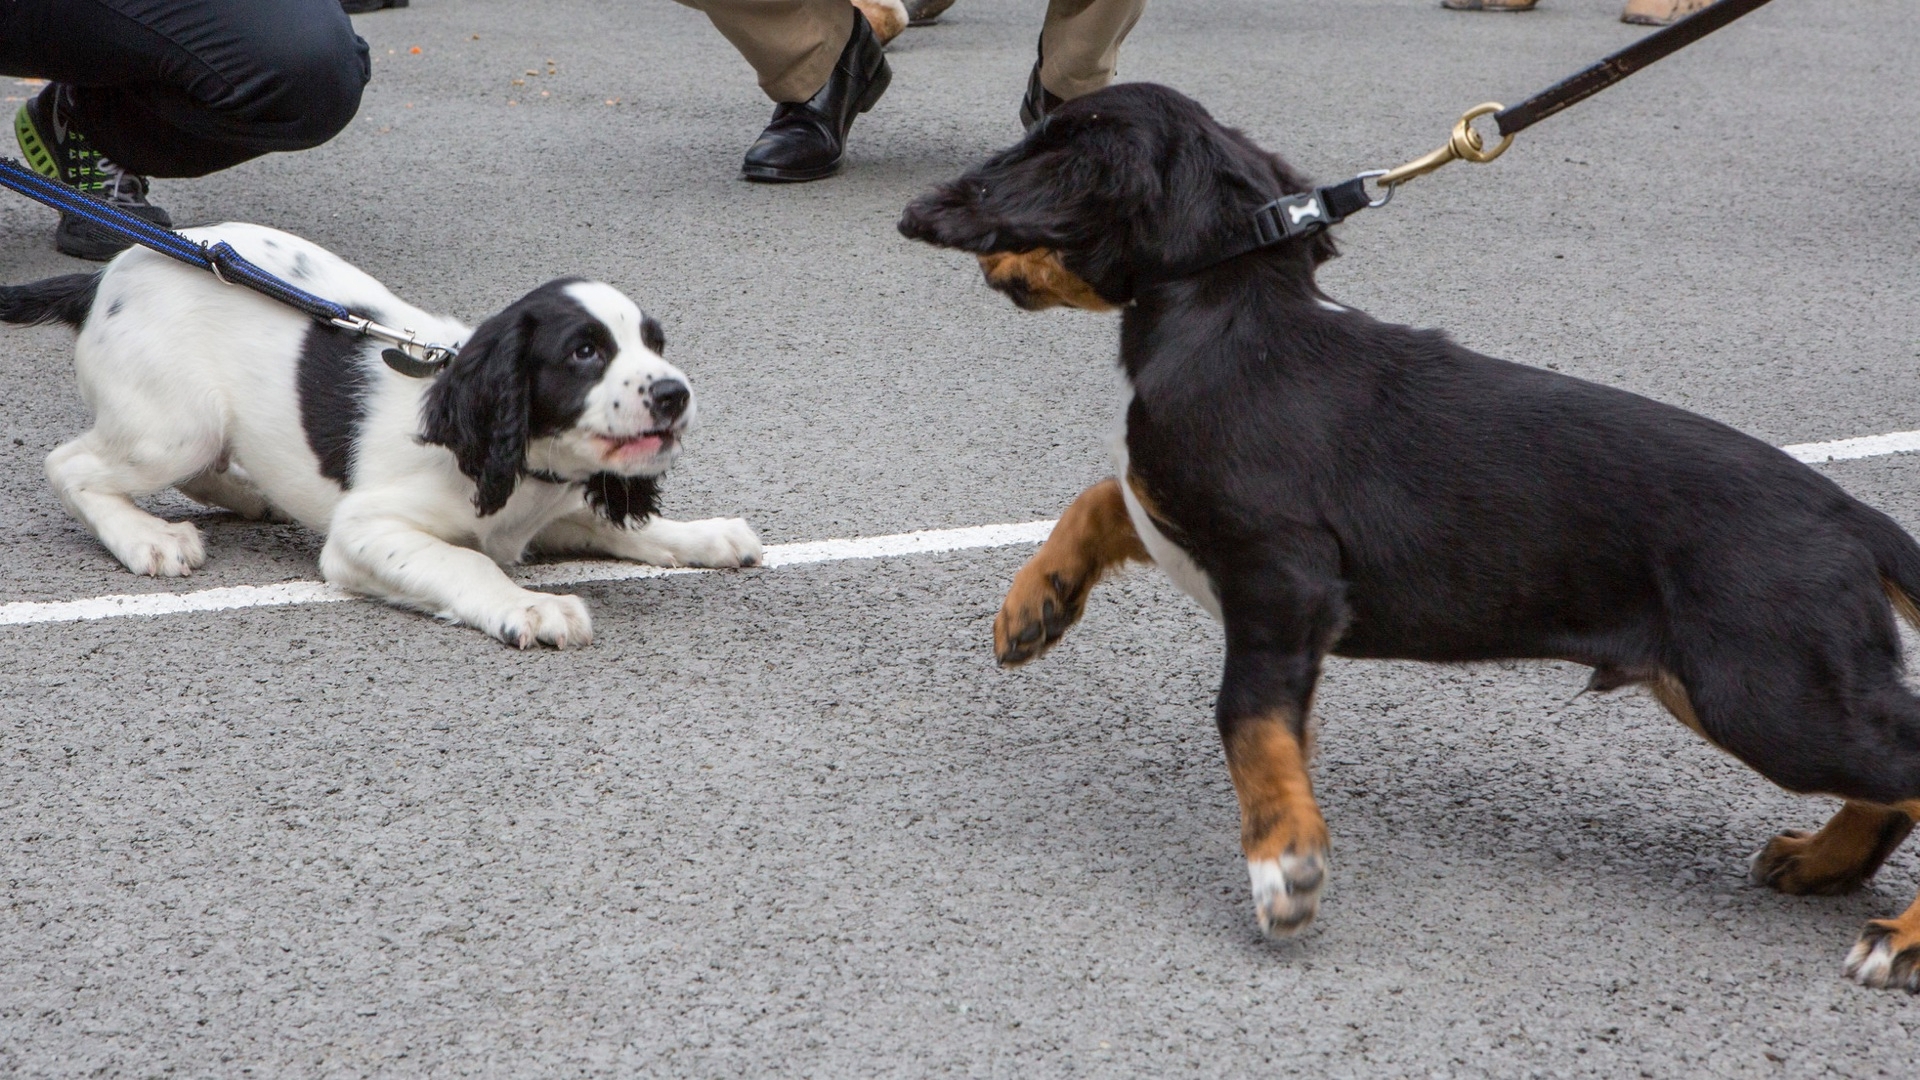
(1326, 483)
(548, 431)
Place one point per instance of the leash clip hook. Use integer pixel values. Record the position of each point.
(1463, 143)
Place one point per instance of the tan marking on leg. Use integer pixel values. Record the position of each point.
(1669, 691)
(1839, 858)
(1037, 280)
(1281, 830)
(1049, 593)
(1278, 814)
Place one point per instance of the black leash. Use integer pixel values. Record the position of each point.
(1309, 212)
(1657, 45)
(409, 355)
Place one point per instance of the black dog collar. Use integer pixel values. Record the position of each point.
(1290, 217)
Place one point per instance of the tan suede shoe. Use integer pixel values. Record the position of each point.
(887, 17)
(1660, 12)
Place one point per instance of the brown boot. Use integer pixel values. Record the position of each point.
(1660, 12)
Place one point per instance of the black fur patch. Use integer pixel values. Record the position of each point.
(524, 374)
(333, 386)
(623, 499)
(64, 299)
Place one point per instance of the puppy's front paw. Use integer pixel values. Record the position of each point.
(1041, 604)
(717, 542)
(162, 549)
(1887, 956)
(559, 621)
(1286, 891)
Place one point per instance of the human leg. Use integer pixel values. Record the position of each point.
(189, 87)
(785, 41)
(1079, 51)
(792, 45)
(156, 87)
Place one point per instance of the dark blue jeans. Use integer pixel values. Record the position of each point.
(189, 87)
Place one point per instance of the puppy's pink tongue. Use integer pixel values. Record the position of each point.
(645, 444)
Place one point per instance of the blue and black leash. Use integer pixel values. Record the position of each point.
(409, 355)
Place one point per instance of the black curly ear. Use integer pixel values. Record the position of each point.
(623, 499)
(480, 408)
(652, 336)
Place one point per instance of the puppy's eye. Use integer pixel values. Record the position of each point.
(586, 352)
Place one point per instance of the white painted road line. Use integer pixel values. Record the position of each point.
(1893, 442)
(930, 541)
(567, 573)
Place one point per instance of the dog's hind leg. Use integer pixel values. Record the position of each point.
(1887, 956)
(229, 489)
(1856, 736)
(1049, 593)
(97, 478)
(1841, 857)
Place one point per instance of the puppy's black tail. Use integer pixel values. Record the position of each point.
(64, 299)
(1897, 557)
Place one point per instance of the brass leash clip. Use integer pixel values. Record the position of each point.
(1463, 143)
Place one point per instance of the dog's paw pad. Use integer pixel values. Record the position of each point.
(1038, 611)
(168, 549)
(1887, 957)
(1286, 891)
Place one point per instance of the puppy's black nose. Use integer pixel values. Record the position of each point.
(670, 397)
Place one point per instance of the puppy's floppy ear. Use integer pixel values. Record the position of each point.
(652, 336)
(480, 408)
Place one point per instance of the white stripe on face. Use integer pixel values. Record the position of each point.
(620, 404)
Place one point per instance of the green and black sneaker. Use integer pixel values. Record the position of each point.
(57, 152)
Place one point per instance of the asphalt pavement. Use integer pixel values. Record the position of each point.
(794, 821)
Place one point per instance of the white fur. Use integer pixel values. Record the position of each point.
(1286, 892)
(193, 385)
(1170, 557)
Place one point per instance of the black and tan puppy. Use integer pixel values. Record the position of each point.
(1326, 483)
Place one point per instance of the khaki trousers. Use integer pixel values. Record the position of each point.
(793, 44)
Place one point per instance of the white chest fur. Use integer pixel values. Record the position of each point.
(1168, 556)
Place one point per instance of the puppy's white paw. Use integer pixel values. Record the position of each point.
(159, 549)
(1286, 891)
(1887, 956)
(717, 542)
(543, 619)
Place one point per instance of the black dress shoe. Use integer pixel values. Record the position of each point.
(1039, 100)
(808, 139)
